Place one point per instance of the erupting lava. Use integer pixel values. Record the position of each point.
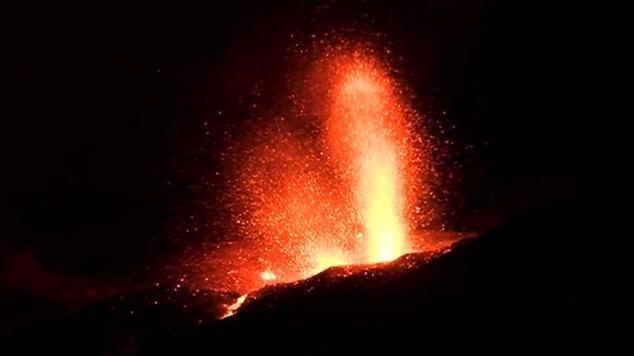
(340, 180)
(344, 192)
(368, 135)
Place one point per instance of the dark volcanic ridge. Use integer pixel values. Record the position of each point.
(337, 277)
(509, 286)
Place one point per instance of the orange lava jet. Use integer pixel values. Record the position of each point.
(338, 180)
(368, 134)
(345, 194)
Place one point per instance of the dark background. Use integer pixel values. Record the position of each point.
(105, 136)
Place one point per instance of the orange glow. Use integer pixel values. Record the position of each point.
(326, 259)
(268, 275)
(337, 178)
(233, 308)
(339, 197)
(367, 126)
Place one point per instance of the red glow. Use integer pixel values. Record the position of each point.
(369, 138)
(268, 275)
(336, 182)
(233, 308)
(338, 197)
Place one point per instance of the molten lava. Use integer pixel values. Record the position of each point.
(368, 134)
(268, 275)
(342, 191)
(233, 308)
(338, 179)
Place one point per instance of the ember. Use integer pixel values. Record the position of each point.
(268, 275)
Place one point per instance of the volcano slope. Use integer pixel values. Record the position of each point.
(518, 288)
(523, 287)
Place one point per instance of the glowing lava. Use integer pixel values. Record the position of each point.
(268, 275)
(233, 308)
(337, 178)
(337, 185)
(368, 133)
(326, 259)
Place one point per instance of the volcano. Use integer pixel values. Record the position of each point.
(488, 292)
(250, 177)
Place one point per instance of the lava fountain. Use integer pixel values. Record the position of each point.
(344, 192)
(367, 132)
(338, 178)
